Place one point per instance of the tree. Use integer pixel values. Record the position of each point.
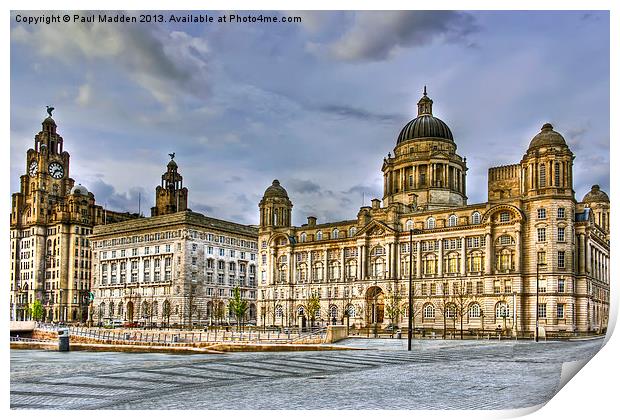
(238, 306)
(166, 312)
(313, 304)
(461, 302)
(36, 310)
(393, 309)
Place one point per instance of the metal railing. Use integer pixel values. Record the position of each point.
(172, 337)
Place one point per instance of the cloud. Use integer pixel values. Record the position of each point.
(303, 186)
(161, 62)
(85, 93)
(377, 36)
(344, 111)
(106, 195)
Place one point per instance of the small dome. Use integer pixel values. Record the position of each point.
(547, 137)
(79, 189)
(172, 164)
(596, 196)
(275, 190)
(50, 121)
(425, 126)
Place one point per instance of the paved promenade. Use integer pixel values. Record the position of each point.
(437, 374)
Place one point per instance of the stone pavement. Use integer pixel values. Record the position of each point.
(437, 374)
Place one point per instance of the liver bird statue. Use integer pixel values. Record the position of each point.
(49, 110)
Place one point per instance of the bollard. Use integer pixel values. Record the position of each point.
(63, 339)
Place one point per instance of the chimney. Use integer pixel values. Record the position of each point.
(311, 221)
(376, 203)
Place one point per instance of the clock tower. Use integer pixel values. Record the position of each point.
(51, 219)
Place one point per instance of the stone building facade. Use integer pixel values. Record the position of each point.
(177, 267)
(51, 218)
(531, 253)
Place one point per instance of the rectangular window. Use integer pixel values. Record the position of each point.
(541, 213)
(561, 231)
(508, 286)
(210, 250)
(542, 234)
(542, 286)
(542, 310)
(479, 287)
(561, 260)
(561, 286)
(560, 311)
(561, 213)
(496, 287)
(542, 259)
(556, 174)
(167, 247)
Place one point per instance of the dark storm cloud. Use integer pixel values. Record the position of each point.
(345, 111)
(375, 36)
(303, 186)
(107, 196)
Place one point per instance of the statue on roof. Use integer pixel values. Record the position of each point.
(49, 110)
(171, 155)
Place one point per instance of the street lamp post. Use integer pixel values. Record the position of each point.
(410, 314)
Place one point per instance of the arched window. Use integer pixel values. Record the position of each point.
(319, 235)
(120, 309)
(429, 311)
(155, 308)
(430, 223)
(475, 218)
(502, 310)
(352, 231)
(145, 309)
(111, 314)
(335, 233)
(279, 311)
(451, 310)
(409, 225)
(301, 311)
(301, 273)
(302, 237)
(333, 311)
(282, 273)
(350, 311)
(474, 310)
(452, 220)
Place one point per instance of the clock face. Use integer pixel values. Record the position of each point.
(32, 169)
(56, 170)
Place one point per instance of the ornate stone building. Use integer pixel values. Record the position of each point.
(51, 219)
(177, 267)
(531, 252)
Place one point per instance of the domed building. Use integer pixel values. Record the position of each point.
(532, 260)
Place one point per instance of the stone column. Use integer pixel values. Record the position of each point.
(342, 264)
(518, 248)
(418, 268)
(463, 256)
(588, 257)
(309, 266)
(388, 261)
(359, 262)
(326, 266)
(291, 272)
(582, 253)
(488, 252)
(440, 256)
(364, 262)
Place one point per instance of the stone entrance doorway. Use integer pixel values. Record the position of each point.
(375, 305)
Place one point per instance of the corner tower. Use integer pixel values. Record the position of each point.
(171, 195)
(275, 207)
(425, 173)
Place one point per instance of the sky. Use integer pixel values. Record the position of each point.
(316, 104)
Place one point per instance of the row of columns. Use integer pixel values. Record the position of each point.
(393, 268)
(531, 175)
(437, 175)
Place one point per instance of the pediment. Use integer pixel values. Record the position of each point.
(375, 228)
